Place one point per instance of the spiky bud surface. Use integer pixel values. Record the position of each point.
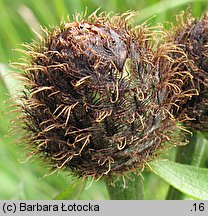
(192, 36)
(95, 100)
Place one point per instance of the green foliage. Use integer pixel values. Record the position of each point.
(18, 20)
(73, 191)
(192, 181)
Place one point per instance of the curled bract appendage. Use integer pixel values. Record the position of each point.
(95, 100)
(192, 36)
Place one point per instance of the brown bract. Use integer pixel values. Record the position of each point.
(192, 36)
(95, 100)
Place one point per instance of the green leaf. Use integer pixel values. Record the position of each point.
(163, 6)
(190, 180)
(73, 191)
(191, 154)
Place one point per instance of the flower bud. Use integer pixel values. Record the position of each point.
(192, 36)
(95, 101)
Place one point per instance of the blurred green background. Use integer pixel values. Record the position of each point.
(18, 19)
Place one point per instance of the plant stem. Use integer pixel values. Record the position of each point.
(190, 154)
(131, 188)
(203, 162)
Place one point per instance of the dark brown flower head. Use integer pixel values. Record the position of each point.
(95, 101)
(192, 37)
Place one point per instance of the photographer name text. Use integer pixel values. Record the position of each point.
(61, 207)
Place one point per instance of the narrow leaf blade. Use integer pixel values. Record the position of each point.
(190, 180)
